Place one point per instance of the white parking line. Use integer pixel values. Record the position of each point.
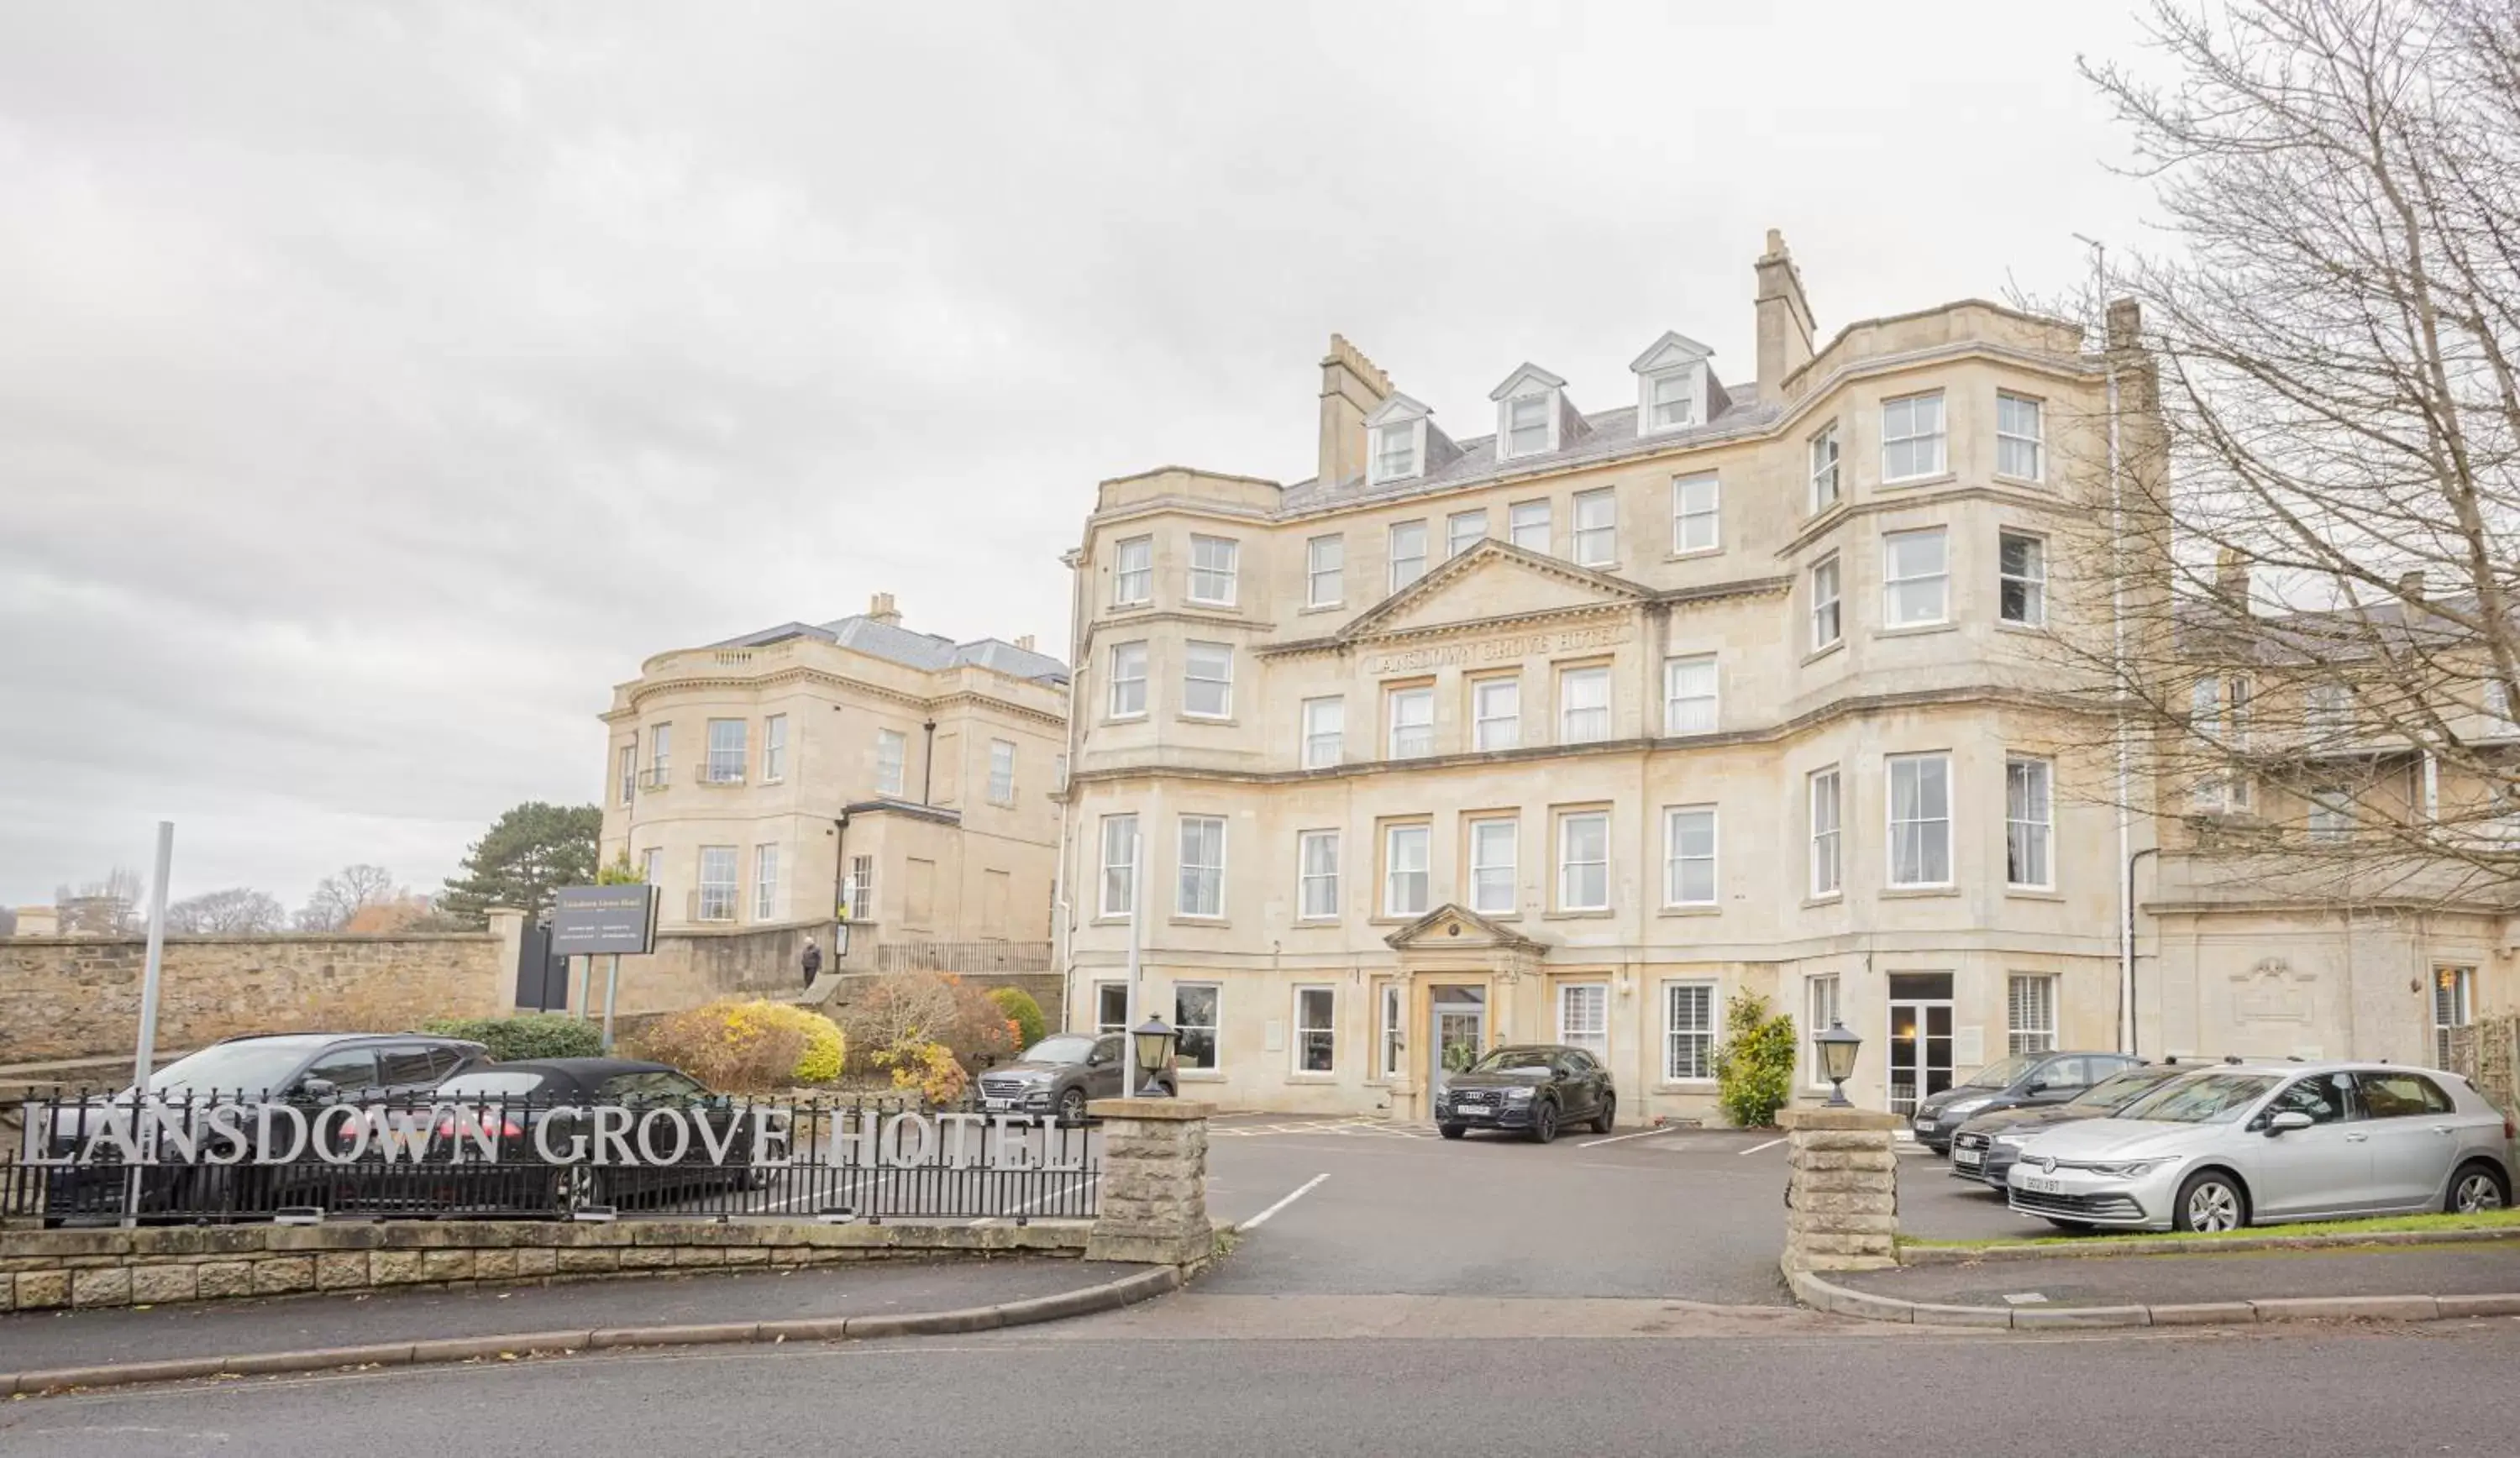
(1029, 1206)
(1755, 1148)
(1261, 1218)
(1639, 1135)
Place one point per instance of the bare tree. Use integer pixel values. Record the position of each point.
(101, 909)
(341, 895)
(2322, 655)
(235, 912)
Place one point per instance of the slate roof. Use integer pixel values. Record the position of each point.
(927, 651)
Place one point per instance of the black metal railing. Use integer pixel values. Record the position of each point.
(209, 1158)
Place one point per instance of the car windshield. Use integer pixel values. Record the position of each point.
(2111, 1094)
(1067, 1048)
(2001, 1075)
(1514, 1061)
(231, 1068)
(2206, 1099)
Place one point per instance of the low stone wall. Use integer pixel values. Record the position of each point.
(1841, 1191)
(79, 997)
(693, 965)
(44, 1269)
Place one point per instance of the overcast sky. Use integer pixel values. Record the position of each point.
(381, 382)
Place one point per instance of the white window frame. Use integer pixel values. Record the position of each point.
(765, 881)
(1699, 1035)
(1892, 765)
(1827, 603)
(2030, 1029)
(2031, 581)
(629, 757)
(725, 765)
(1194, 651)
(1485, 873)
(1116, 1021)
(1584, 1017)
(2453, 993)
(1002, 772)
(1223, 571)
(2030, 824)
(1696, 513)
(1677, 863)
(1892, 582)
(1606, 536)
(1310, 878)
(661, 753)
(1420, 835)
(1568, 867)
(1511, 429)
(2010, 442)
(1324, 747)
(651, 865)
(1391, 1031)
(1395, 745)
(1214, 1030)
(1119, 854)
(1490, 730)
(722, 895)
(1306, 1030)
(773, 749)
(1132, 572)
(1901, 425)
(1691, 695)
(1653, 400)
(1325, 583)
(1826, 862)
(892, 762)
(1210, 879)
(1129, 668)
(1454, 544)
(1385, 464)
(2331, 814)
(1571, 731)
(860, 886)
(1827, 483)
(1821, 1010)
(2328, 710)
(1520, 524)
(1416, 559)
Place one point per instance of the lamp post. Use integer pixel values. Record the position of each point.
(1153, 1041)
(1837, 1049)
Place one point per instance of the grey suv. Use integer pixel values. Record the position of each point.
(1059, 1074)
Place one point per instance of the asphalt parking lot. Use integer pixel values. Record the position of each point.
(1364, 1207)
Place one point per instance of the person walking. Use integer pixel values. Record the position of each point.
(813, 961)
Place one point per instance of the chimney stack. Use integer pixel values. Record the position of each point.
(881, 610)
(1024, 642)
(2231, 577)
(1352, 389)
(2410, 586)
(1785, 318)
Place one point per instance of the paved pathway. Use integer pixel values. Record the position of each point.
(2166, 1280)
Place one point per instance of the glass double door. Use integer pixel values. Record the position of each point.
(1459, 1034)
(1921, 1051)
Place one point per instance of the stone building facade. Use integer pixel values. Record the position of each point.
(1573, 729)
(780, 778)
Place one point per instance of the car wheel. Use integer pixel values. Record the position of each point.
(1543, 1122)
(1608, 1117)
(2477, 1186)
(1072, 1106)
(2210, 1201)
(1452, 1130)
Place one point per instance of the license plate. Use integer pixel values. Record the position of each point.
(994, 1104)
(1925, 1123)
(1968, 1157)
(2038, 1187)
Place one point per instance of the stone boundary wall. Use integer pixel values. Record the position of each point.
(49, 1269)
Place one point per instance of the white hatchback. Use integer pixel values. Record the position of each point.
(2263, 1142)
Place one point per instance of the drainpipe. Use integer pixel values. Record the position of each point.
(927, 772)
(2118, 664)
(2126, 950)
(1062, 937)
(839, 870)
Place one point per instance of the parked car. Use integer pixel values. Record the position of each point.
(1536, 1090)
(1984, 1148)
(1060, 1075)
(2260, 1143)
(2023, 1079)
(307, 1070)
(556, 1094)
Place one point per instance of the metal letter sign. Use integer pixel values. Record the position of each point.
(591, 920)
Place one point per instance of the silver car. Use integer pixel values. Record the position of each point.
(2259, 1143)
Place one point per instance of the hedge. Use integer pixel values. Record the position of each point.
(531, 1034)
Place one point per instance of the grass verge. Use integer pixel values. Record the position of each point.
(2494, 1220)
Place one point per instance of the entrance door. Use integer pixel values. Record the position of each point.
(1921, 1039)
(1460, 1034)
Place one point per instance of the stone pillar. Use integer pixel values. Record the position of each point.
(1842, 1194)
(1154, 1202)
(508, 925)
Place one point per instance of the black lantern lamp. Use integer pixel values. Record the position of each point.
(1837, 1049)
(1154, 1048)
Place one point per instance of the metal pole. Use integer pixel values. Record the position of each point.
(611, 990)
(1137, 915)
(585, 989)
(144, 1057)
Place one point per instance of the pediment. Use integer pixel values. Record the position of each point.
(1397, 408)
(1671, 351)
(1459, 929)
(1492, 580)
(1530, 380)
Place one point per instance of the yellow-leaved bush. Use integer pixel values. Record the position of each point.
(925, 1067)
(748, 1047)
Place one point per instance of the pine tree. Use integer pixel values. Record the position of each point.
(529, 851)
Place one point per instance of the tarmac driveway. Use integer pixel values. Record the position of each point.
(1688, 1214)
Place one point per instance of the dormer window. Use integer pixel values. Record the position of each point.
(1526, 429)
(1395, 451)
(1675, 390)
(1670, 400)
(1402, 443)
(1528, 406)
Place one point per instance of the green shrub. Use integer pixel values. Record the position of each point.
(1022, 1011)
(748, 1047)
(527, 1034)
(1754, 1069)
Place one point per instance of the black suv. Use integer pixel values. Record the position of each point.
(2023, 1079)
(1536, 1090)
